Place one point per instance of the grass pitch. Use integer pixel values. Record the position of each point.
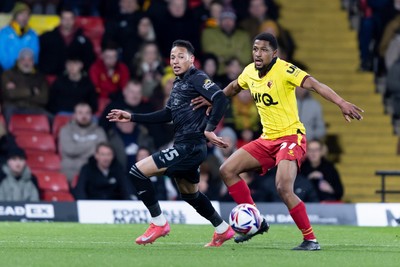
(72, 244)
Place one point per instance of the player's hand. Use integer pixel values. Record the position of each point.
(199, 102)
(215, 140)
(351, 111)
(119, 115)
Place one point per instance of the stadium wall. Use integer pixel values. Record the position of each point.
(179, 212)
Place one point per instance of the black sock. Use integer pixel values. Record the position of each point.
(203, 206)
(145, 190)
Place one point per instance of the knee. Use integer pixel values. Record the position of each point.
(226, 171)
(284, 191)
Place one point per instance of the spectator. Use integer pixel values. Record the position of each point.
(17, 36)
(232, 70)
(65, 40)
(257, 15)
(7, 141)
(78, 139)
(148, 67)
(210, 168)
(209, 63)
(285, 41)
(266, 189)
(226, 41)
(102, 178)
(322, 173)
(126, 138)
(108, 74)
(24, 89)
(145, 30)
(202, 13)
(17, 183)
(310, 113)
(163, 185)
(131, 99)
(72, 88)
(390, 30)
(393, 52)
(123, 29)
(161, 94)
(179, 18)
(242, 116)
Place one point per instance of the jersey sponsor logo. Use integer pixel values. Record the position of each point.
(265, 98)
(208, 84)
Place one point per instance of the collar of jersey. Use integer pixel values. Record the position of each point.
(187, 73)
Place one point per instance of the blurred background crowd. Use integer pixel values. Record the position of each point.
(66, 63)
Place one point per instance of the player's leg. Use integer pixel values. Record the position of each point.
(139, 174)
(240, 161)
(190, 193)
(251, 157)
(285, 177)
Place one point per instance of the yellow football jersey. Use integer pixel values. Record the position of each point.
(275, 98)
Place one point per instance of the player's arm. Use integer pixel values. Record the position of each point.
(160, 116)
(232, 89)
(349, 110)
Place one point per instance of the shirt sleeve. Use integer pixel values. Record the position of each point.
(205, 86)
(243, 78)
(295, 76)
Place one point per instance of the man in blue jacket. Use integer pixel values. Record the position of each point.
(16, 36)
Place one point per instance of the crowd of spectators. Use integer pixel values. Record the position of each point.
(378, 25)
(60, 73)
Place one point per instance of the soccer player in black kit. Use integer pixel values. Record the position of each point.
(192, 129)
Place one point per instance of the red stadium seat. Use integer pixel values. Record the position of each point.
(47, 161)
(101, 105)
(52, 181)
(3, 121)
(36, 141)
(93, 28)
(58, 122)
(57, 196)
(29, 122)
(50, 79)
(74, 181)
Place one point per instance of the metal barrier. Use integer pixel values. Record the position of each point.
(383, 190)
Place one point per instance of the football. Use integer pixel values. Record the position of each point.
(245, 219)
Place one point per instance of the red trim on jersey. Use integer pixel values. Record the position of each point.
(304, 79)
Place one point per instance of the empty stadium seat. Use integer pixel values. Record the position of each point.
(52, 181)
(29, 122)
(57, 196)
(36, 141)
(47, 161)
(59, 121)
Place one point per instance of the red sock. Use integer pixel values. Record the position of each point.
(300, 217)
(240, 193)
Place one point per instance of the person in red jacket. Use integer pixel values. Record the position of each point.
(108, 74)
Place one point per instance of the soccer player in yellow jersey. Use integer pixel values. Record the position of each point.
(272, 83)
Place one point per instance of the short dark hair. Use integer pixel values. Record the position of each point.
(185, 44)
(269, 38)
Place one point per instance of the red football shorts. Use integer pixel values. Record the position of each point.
(270, 152)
